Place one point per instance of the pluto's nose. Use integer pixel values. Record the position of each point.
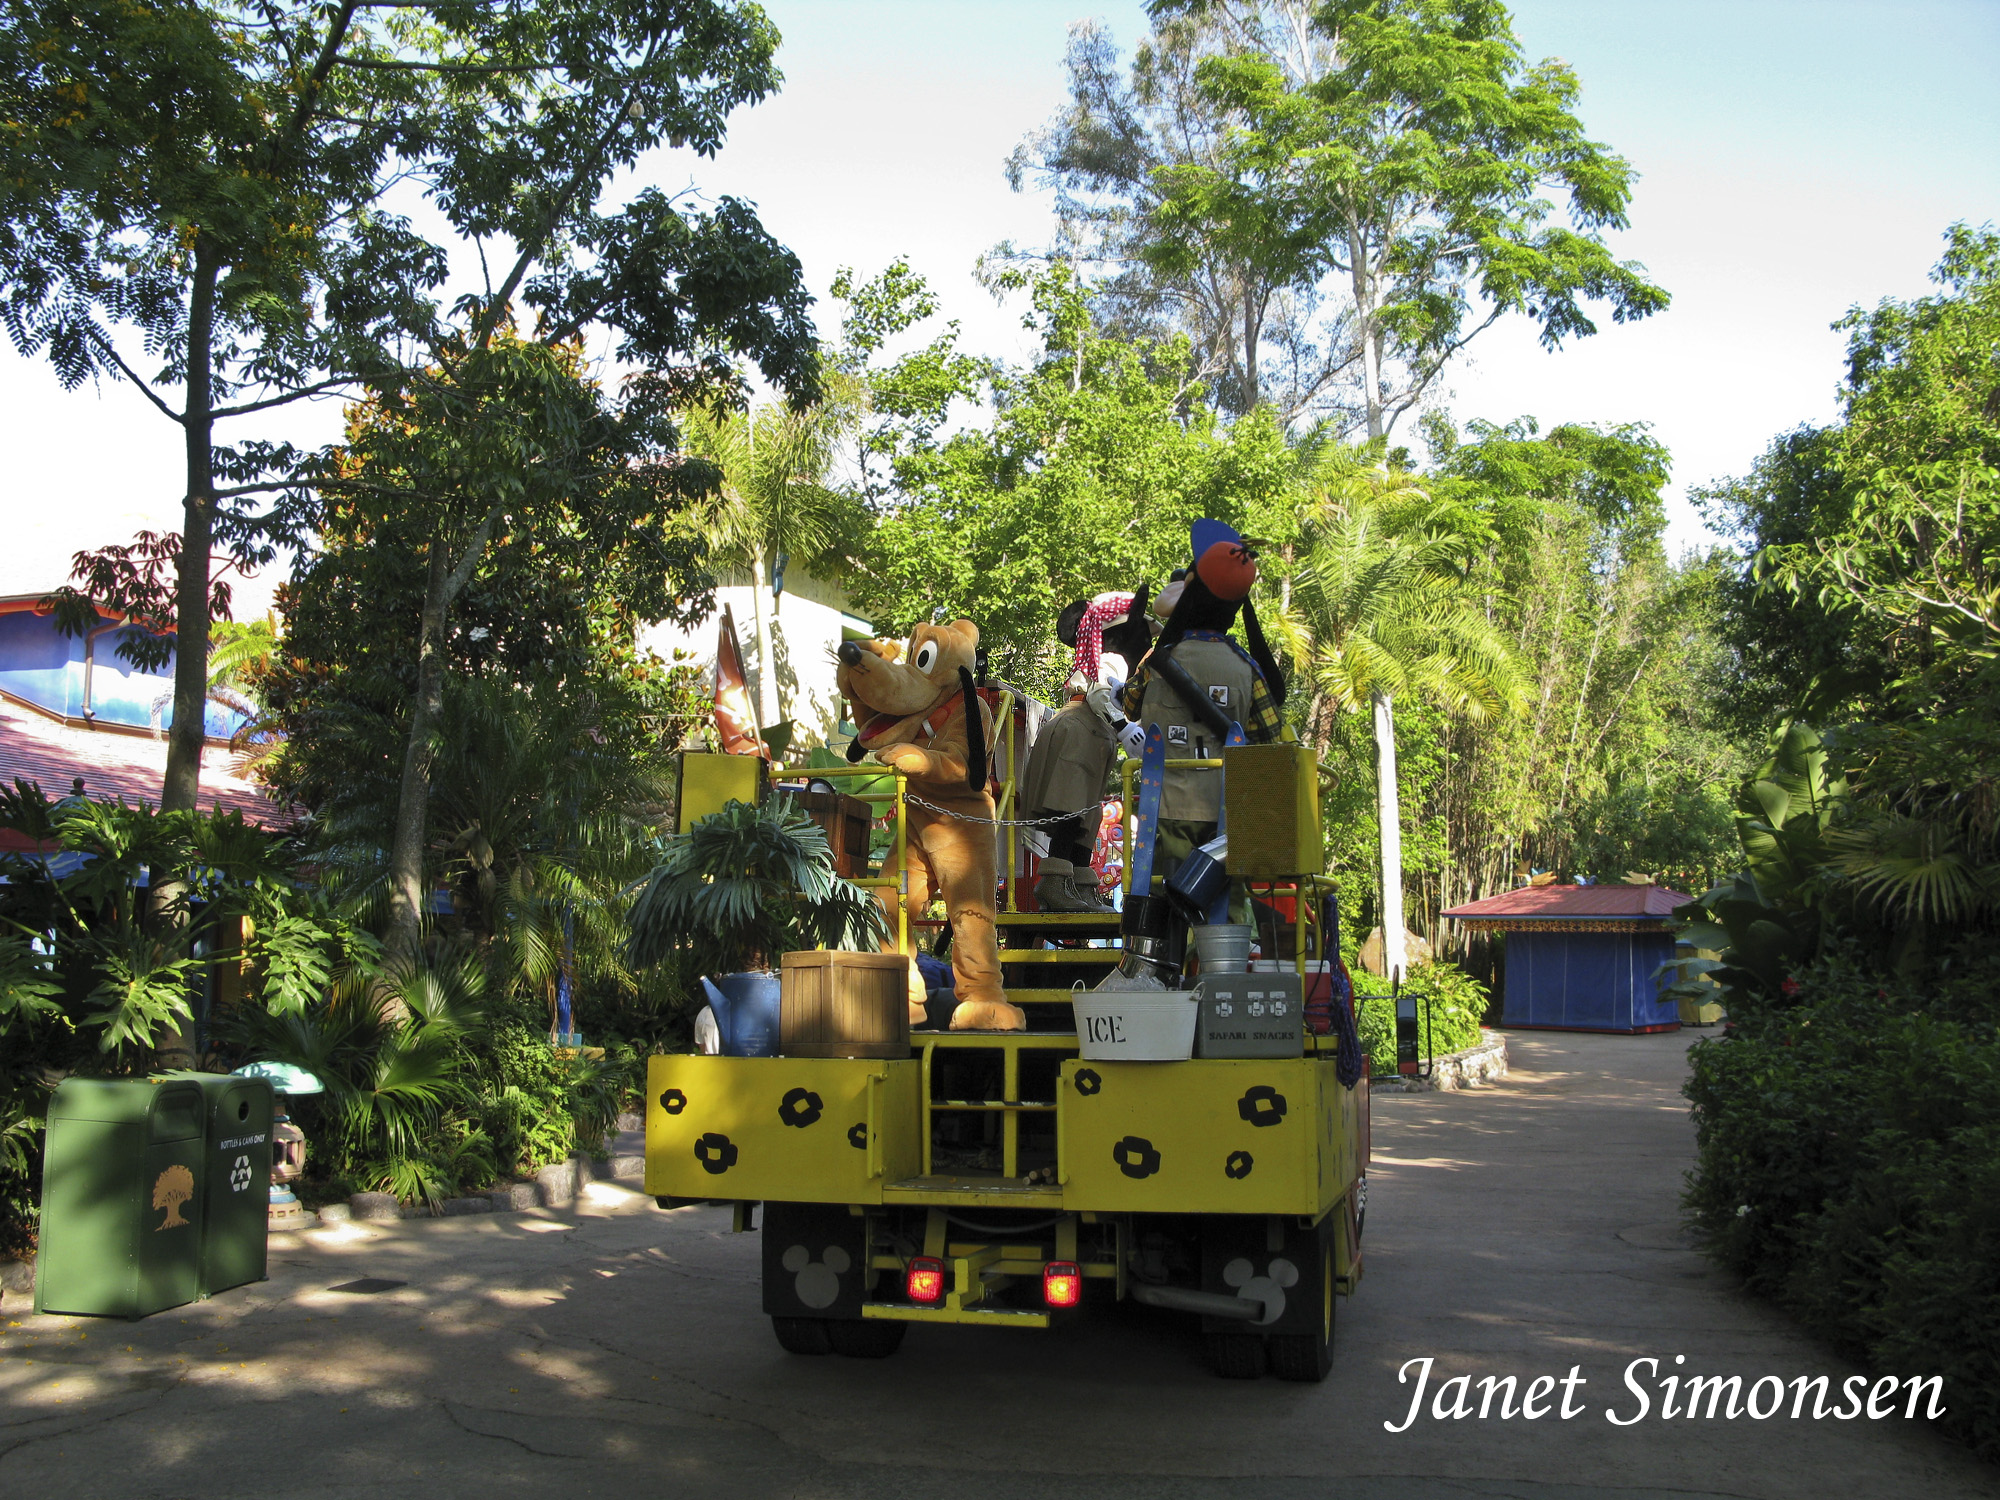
(850, 654)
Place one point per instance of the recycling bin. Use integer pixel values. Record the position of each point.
(123, 1179)
(235, 1216)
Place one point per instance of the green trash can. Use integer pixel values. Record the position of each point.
(236, 1203)
(122, 1197)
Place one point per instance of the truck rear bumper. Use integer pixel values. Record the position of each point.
(1002, 1317)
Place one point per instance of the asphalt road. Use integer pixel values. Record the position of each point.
(1521, 1230)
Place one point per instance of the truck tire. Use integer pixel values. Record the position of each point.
(802, 1335)
(1309, 1356)
(865, 1338)
(1235, 1356)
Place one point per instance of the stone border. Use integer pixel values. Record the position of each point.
(558, 1186)
(1470, 1068)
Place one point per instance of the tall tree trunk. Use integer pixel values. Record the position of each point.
(1389, 819)
(182, 788)
(406, 848)
(767, 663)
(1367, 330)
(407, 895)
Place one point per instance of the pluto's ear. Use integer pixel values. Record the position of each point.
(854, 751)
(975, 735)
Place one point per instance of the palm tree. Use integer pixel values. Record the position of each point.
(775, 504)
(1381, 605)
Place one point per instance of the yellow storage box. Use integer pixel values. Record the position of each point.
(1271, 795)
(709, 781)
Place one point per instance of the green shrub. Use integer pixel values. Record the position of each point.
(1848, 1167)
(1448, 997)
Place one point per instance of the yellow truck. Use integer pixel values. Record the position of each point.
(1006, 1179)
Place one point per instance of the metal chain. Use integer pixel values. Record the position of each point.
(1052, 819)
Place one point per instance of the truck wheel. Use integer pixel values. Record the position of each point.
(1235, 1356)
(1309, 1356)
(801, 1335)
(865, 1338)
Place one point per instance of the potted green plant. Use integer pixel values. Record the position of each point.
(734, 894)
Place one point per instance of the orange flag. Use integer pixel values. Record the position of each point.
(735, 718)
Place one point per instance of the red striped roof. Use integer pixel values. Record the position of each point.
(36, 748)
(1574, 902)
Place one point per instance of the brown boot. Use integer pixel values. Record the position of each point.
(1055, 892)
(1088, 893)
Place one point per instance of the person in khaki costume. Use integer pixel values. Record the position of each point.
(912, 705)
(1070, 768)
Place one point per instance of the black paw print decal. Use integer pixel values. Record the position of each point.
(857, 1135)
(816, 1283)
(716, 1153)
(1136, 1157)
(1087, 1081)
(673, 1101)
(799, 1107)
(1238, 1166)
(1262, 1105)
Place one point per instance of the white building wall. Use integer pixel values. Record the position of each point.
(810, 620)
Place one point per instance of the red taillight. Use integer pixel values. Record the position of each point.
(925, 1279)
(1062, 1283)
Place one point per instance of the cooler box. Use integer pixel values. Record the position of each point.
(1250, 1015)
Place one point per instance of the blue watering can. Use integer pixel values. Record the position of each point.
(746, 1013)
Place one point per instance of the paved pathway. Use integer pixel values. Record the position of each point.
(618, 1351)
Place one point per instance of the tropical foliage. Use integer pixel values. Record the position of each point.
(744, 886)
(1847, 1124)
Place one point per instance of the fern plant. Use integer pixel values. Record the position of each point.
(744, 886)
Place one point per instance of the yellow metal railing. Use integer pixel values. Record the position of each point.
(895, 871)
(899, 881)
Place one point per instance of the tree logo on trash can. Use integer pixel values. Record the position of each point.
(171, 1189)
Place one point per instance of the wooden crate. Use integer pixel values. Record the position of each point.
(844, 1005)
(844, 820)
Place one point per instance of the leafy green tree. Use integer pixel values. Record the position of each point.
(213, 183)
(1257, 330)
(1625, 756)
(513, 477)
(1413, 167)
(1920, 456)
(1795, 652)
(1095, 459)
(776, 505)
(1382, 605)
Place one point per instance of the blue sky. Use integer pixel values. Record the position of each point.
(1796, 157)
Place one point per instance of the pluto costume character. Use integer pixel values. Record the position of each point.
(917, 711)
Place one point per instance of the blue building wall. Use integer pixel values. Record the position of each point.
(40, 664)
(1588, 981)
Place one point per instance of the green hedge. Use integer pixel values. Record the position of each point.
(1453, 999)
(1849, 1168)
